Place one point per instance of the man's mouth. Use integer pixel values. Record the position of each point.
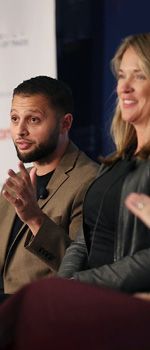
(23, 144)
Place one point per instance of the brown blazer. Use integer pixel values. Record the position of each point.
(29, 257)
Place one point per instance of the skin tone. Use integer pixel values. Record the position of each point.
(35, 129)
(139, 204)
(133, 89)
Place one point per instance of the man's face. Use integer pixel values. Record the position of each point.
(35, 129)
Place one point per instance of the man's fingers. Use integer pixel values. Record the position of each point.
(23, 171)
(25, 174)
(33, 177)
(17, 178)
(22, 167)
(11, 198)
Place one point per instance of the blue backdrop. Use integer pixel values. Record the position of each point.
(88, 33)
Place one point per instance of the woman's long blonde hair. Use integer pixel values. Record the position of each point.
(123, 133)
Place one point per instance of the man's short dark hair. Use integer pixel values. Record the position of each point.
(57, 92)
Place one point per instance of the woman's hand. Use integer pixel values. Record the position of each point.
(139, 204)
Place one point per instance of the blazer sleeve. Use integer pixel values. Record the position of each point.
(49, 244)
(52, 240)
(130, 274)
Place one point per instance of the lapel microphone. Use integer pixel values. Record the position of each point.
(43, 193)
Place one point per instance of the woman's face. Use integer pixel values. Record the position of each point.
(133, 89)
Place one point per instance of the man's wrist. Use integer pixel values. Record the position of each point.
(36, 223)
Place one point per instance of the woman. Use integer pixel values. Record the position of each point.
(113, 247)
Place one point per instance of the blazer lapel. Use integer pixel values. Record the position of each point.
(61, 174)
(55, 182)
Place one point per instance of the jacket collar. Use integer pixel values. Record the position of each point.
(61, 174)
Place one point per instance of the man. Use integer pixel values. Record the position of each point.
(34, 234)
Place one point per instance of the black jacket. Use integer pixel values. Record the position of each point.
(130, 271)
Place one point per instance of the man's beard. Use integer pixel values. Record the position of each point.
(43, 151)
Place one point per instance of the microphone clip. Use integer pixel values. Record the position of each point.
(43, 193)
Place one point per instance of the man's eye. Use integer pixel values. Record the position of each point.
(35, 120)
(14, 119)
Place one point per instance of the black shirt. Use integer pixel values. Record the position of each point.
(101, 209)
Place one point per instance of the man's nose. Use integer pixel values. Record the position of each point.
(22, 129)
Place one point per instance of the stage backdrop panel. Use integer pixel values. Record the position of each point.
(27, 49)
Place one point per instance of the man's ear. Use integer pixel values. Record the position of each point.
(66, 122)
